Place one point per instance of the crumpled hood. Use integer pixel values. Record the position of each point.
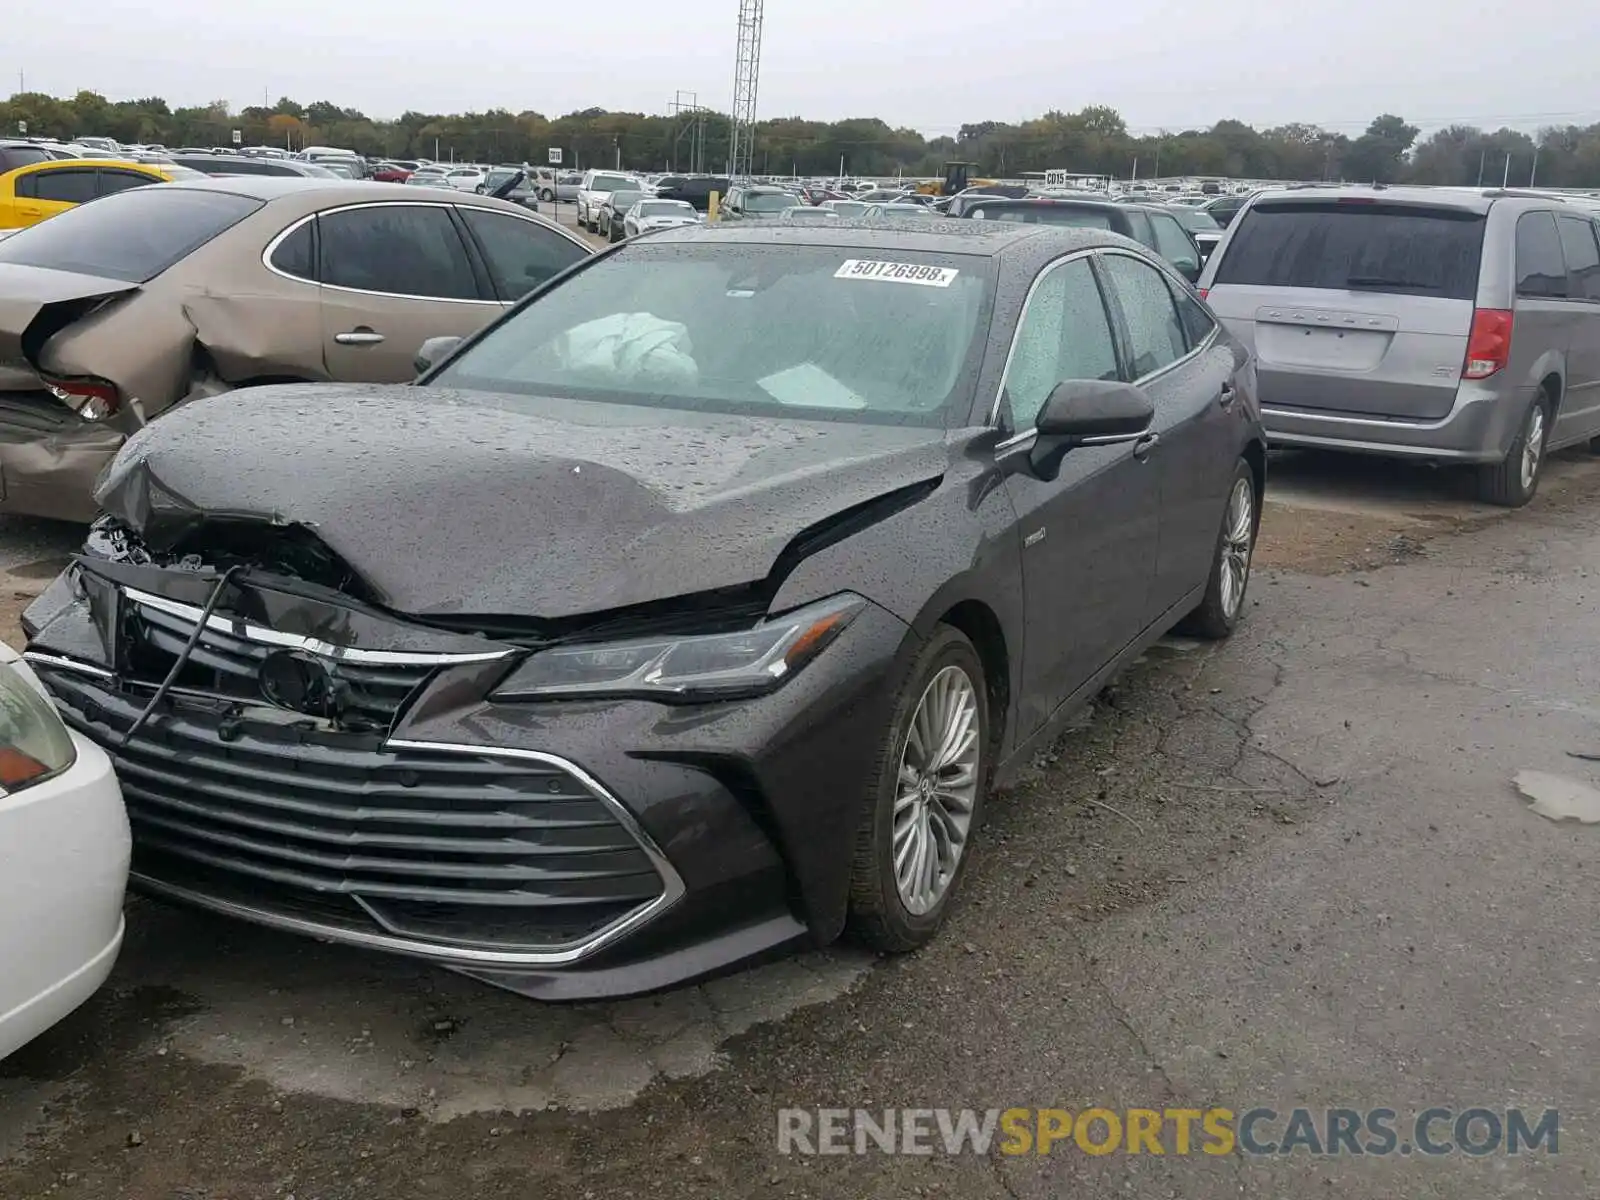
(457, 502)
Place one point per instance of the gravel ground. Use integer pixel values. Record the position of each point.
(1286, 869)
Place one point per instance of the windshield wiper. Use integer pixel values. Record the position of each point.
(1378, 281)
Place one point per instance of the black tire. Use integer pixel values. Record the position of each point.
(878, 917)
(547, 196)
(1504, 483)
(1213, 618)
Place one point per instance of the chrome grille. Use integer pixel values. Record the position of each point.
(454, 848)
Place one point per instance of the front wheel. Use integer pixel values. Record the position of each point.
(1219, 612)
(547, 196)
(924, 800)
(1512, 482)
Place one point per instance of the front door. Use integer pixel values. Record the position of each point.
(394, 275)
(1187, 374)
(1089, 535)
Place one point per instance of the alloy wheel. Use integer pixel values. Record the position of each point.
(1532, 446)
(937, 791)
(1238, 541)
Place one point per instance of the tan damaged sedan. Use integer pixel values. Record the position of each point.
(114, 312)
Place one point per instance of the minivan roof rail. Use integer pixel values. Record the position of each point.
(1521, 193)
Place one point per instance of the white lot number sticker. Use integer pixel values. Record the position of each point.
(891, 272)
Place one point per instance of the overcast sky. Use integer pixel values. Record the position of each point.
(929, 64)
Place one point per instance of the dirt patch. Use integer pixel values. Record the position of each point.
(1319, 542)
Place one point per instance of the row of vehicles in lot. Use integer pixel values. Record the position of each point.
(586, 623)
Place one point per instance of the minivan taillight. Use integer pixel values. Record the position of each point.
(94, 399)
(1203, 292)
(1489, 345)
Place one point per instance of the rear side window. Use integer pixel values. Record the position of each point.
(113, 180)
(1139, 228)
(1362, 247)
(521, 254)
(1541, 270)
(1582, 255)
(1173, 243)
(132, 236)
(296, 254)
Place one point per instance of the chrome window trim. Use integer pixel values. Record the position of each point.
(249, 631)
(444, 953)
(283, 235)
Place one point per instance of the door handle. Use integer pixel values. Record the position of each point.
(1227, 396)
(359, 337)
(1142, 448)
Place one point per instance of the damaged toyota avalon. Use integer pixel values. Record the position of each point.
(687, 615)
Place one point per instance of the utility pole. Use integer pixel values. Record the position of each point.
(1506, 179)
(1533, 174)
(1483, 156)
(746, 75)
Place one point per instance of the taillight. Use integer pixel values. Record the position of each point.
(95, 399)
(1489, 345)
(1204, 292)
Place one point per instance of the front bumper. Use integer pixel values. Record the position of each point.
(1479, 428)
(50, 457)
(565, 850)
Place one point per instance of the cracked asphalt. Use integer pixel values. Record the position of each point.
(1290, 871)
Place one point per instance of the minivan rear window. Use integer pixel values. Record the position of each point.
(132, 236)
(1410, 250)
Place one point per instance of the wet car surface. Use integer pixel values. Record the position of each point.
(619, 651)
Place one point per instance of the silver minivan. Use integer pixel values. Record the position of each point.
(1453, 325)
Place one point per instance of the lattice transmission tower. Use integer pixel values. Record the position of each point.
(746, 71)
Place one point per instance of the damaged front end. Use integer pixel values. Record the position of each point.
(271, 730)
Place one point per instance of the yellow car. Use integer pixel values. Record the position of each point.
(37, 191)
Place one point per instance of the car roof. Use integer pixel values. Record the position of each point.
(1041, 202)
(984, 238)
(1476, 200)
(309, 194)
(126, 163)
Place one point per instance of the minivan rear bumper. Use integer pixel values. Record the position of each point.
(1479, 427)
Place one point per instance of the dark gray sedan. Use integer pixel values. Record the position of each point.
(689, 613)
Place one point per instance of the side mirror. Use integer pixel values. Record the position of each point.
(1087, 412)
(434, 351)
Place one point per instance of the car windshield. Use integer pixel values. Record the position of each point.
(611, 183)
(666, 208)
(883, 336)
(1196, 220)
(1343, 245)
(769, 202)
(132, 235)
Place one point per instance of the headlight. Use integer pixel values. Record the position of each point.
(707, 667)
(34, 744)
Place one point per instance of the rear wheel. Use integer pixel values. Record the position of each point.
(1512, 482)
(925, 799)
(1219, 613)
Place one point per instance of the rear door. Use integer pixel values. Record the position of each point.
(393, 276)
(1352, 305)
(1580, 401)
(1171, 353)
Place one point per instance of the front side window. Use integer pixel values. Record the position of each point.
(796, 331)
(1064, 334)
(520, 254)
(1155, 334)
(396, 249)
